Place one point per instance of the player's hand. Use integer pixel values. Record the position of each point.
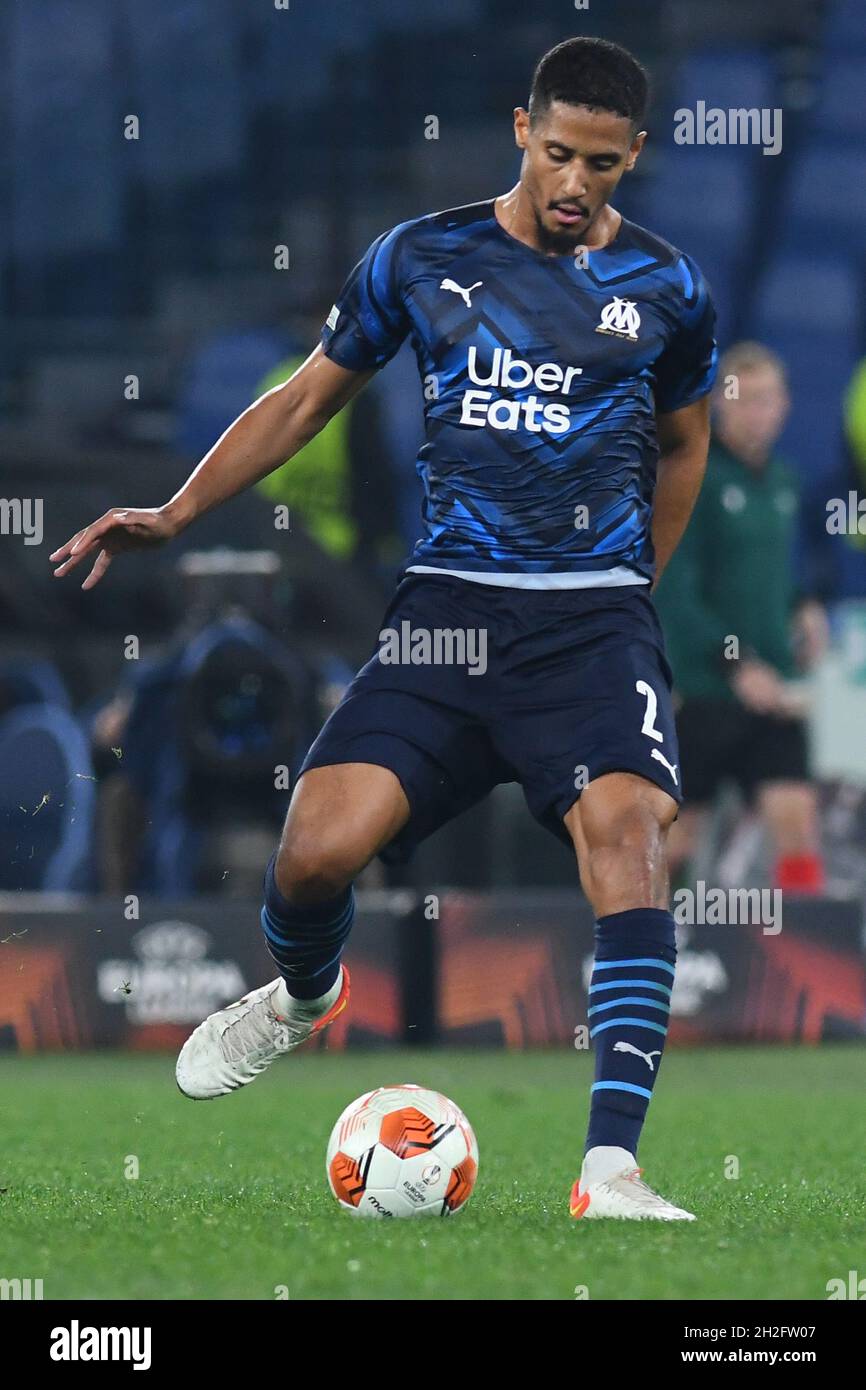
(121, 528)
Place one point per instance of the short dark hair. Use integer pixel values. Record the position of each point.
(590, 72)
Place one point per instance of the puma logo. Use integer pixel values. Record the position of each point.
(458, 289)
(647, 1056)
(671, 767)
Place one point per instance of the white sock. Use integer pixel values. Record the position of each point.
(290, 1007)
(605, 1160)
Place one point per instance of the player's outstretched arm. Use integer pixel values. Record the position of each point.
(270, 431)
(684, 438)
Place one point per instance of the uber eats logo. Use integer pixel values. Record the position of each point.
(509, 373)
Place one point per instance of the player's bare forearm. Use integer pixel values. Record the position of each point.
(272, 430)
(268, 433)
(684, 437)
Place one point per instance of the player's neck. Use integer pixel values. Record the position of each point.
(514, 213)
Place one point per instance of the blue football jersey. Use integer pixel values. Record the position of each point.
(541, 378)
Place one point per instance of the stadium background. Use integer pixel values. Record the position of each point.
(185, 188)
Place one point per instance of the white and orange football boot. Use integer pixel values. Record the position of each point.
(236, 1044)
(610, 1184)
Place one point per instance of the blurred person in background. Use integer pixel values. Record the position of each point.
(341, 487)
(855, 427)
(733, 577)
(854, 435)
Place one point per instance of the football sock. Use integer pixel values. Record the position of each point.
(306, 942)
(629, 1004)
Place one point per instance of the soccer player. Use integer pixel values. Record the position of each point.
(566, 355)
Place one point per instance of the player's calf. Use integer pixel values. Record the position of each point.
(339, 817)
(619, 828)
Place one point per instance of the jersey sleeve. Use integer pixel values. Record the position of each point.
(686, 369)
(368, 321)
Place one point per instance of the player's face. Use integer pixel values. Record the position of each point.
(751, 423)
(573, 159)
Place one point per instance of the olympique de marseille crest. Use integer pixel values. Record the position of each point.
(621, 318)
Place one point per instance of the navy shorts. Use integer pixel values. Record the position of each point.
(473, 685)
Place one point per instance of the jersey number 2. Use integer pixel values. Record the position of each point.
(649, 720)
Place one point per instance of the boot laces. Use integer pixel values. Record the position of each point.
(256, 1031)
(640, 1190)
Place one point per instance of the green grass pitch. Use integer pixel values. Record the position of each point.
(231, 1199)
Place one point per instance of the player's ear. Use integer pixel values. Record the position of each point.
(521, 127)
(634, 150)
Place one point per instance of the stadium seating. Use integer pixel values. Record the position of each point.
(31, 683)
(724, 181)
(68, 179)
(810, 314)
(186, 85)
(221, 382)
(826, 203)
(840, 110)
(845, 27)
(732, 78)
(801, 295)
(47, 801)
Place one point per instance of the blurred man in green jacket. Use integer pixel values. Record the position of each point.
(340, 487)
(737, 631)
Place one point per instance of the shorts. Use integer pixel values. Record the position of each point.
(722, 741)
(548, 688)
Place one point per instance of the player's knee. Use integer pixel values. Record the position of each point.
(638, 828)
(312, 868)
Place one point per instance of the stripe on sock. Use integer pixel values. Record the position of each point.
(622, 1086)
(628, 1022)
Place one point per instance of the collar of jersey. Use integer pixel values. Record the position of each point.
(564, 256)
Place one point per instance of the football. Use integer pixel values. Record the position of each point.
(402, 1151)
